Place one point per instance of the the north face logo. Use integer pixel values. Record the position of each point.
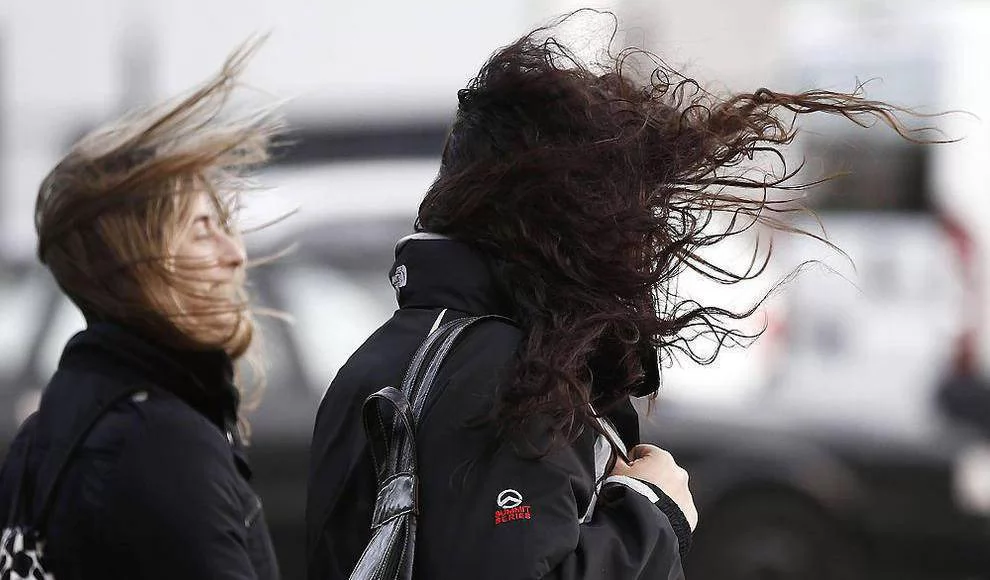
(399, 277)
(511, 508)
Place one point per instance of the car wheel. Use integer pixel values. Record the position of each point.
(771, 537)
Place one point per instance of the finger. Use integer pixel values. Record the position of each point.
(641, 451)
(691, 514)
(621, 468)
(695, 518)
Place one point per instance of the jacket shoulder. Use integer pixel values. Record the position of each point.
(147, 414)
(475, 370)
(496, 330)
(152, 410)
(489, 347)
(160, 415)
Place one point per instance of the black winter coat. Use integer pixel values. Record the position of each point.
(487, 512)
(159, 488)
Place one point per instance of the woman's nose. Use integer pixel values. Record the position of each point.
(232, 252)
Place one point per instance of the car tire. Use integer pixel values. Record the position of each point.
(771, 537)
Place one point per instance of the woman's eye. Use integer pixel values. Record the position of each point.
(201, 230)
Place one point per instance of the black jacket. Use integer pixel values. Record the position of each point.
(159, 488)
(464, 470)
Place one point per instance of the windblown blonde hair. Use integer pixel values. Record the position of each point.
(107, 215)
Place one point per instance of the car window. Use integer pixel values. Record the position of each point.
(333, 313)
(873, 176)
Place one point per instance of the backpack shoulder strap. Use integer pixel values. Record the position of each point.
(20, 500)
(58, 457)
(425, 365)
(392, 448)
(391, 418)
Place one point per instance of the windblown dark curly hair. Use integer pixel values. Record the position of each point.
(591, 187)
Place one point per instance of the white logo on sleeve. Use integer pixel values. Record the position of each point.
(509, 498)
(510, 508)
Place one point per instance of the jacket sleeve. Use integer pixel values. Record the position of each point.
(502, 514)
(175, 510)
(519, 518)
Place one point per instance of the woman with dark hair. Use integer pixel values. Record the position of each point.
(134, 465)
(568, 200)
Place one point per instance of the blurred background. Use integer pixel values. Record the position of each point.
(852, 440)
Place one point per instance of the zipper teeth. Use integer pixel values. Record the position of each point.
(254, 513)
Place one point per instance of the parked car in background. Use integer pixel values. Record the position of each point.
(841, 460)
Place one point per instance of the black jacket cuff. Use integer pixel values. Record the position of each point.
(676, 517)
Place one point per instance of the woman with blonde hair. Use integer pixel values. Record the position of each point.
(134, 465)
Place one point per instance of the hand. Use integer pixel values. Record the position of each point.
(652, 464)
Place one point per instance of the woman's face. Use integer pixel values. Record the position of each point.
(209, 260)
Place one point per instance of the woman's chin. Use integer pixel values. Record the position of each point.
(224, 330)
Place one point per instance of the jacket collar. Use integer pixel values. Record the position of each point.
(434, 271)
(203, 379)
